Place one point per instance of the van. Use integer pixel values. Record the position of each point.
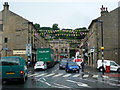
(113, 65)
(13, 68)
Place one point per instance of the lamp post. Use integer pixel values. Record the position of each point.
(102, 45)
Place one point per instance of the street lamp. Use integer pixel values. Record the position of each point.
(102, 45)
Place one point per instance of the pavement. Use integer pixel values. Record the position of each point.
(90, 69)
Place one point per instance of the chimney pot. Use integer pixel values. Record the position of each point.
(104, 11)
(6, 6)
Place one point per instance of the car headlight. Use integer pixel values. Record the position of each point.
(70, 67)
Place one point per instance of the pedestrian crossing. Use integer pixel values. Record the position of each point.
(63, 75)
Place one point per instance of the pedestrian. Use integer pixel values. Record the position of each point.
(82, 66)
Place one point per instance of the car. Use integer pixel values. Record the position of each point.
(14, 68)
(40, 65)
(78, 61)
(62, 64)
(67, 59)
(72, 66)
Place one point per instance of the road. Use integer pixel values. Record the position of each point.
(55, 78)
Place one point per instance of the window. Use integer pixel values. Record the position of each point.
(113, 64)
(65, 50)
(1, 27)
(61, 50)
(5, 40)
(10, 61)
(56, 50)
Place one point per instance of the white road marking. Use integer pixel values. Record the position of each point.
(40, 75)
(78, 83)
(45, 82)
(44, 79)
(57, 86)
(85, 75)
(114, 84)
(95, 76)
(63, 86)
(48, 84)
(114, 80)
(66, 75)
(58, 75)
(33, 74)
(105, 76)
(76, 75)
(49, 75)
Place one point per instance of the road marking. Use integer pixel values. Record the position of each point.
(33, 74)
(114, 84)
(105, 76)
(86, 75)
(45, 82)
(77, 75)
(95, 76)
(58, 75)
(63, 86)
(49, 75)
(66, 75)
(40, 75)
(57, 86)
(44, 79)
(78, 83)
(48, 84)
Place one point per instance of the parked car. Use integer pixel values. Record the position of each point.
(113, 65)
(72, 66)
(14, 68)
(40, 65)
(62, 64)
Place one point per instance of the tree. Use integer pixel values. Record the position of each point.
(55, 27)
(45, 28)
(37, 26)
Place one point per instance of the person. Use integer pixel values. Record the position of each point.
(82, 66)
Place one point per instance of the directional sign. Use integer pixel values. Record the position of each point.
(28, 49)
(5, 48)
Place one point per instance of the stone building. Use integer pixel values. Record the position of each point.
(92, 43)
(61, 48)
(17, 34)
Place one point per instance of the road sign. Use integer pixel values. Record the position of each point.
(5, 48)
(28, 49)
(92, 50)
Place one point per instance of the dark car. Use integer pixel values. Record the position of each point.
(62, 64)
(72, 66)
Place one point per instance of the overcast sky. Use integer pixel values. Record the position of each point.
(66, 13)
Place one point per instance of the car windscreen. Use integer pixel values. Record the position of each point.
(9, 61)
(63, 63)
(39, 63)
(72, 64)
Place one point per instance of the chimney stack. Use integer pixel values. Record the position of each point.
(6, 6)
(104, 11)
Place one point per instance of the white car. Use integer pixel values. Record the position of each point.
(40, 65)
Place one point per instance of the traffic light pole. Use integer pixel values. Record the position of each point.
(102, 45)
(102, 48)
